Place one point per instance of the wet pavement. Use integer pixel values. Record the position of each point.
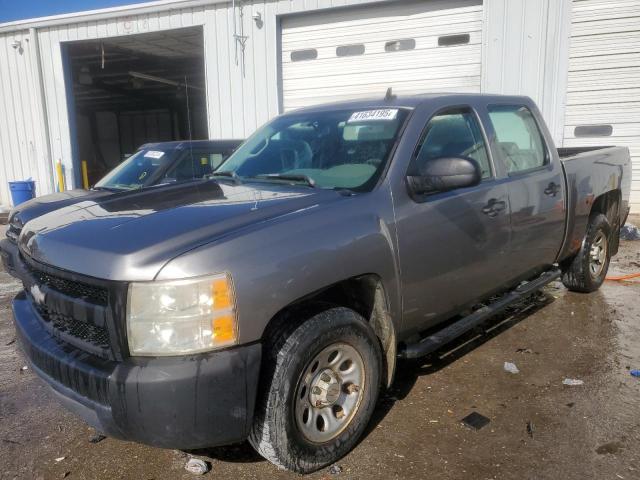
(539, 429)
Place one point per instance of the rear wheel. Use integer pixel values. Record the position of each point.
(322, 380)
(588, 269)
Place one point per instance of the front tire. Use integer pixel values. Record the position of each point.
(321, 383)
(588, 269)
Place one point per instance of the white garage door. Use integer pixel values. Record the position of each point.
(603, 99)
(413, 47)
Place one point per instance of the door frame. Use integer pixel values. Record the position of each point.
(71, 116)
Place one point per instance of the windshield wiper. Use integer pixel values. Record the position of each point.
(229, 174)
(294, 177)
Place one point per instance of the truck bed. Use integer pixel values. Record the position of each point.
(591, 172)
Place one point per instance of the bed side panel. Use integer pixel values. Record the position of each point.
(591, 174)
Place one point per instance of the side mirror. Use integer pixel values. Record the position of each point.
(444, 174)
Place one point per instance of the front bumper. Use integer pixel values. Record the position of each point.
(186, 402)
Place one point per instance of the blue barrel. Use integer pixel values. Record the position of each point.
(21, 191)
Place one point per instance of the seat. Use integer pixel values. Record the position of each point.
(295, 154)
(517, 160)
(186, 169)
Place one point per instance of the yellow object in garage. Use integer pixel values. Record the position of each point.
(60, 173)
(85, 177)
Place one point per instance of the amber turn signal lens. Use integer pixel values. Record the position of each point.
(221, 293)
(224, 328)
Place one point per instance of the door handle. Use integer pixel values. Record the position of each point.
(552, 189)
(494, 207)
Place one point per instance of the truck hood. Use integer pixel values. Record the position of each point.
(48, 203)
(131, 236)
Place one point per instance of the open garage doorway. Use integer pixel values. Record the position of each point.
(127, 91)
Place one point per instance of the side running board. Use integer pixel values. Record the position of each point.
(433, 342)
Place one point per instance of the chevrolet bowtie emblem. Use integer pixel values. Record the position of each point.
(37, 294)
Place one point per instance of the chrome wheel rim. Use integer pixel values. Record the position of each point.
(598, 255)
(329, 392)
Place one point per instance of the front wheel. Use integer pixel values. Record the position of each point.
(588, 269)
(322, 380)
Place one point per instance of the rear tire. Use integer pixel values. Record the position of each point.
(588, 269)
(314, 403)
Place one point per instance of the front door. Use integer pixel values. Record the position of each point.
(453, 245)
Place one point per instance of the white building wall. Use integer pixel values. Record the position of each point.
(524, 43)
(21, 138)
(526, 53)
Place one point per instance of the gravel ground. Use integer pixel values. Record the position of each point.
(540, 428)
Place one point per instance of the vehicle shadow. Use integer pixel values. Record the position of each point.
(408, 372)
(237, 453)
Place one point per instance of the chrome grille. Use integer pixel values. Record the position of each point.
(73, 308)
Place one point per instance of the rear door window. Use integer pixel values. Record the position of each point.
(519, 141)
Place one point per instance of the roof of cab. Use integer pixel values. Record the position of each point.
(410, 101)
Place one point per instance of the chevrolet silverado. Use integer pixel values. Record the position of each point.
(271, 300)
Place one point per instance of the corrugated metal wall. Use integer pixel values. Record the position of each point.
(21, 137)
(526, 51)
(522, 53)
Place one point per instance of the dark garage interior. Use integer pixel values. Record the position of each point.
(132, 90)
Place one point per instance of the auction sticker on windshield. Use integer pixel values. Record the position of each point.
(154, 154)
(384, 114)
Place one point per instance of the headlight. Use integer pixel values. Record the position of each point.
(182, 316)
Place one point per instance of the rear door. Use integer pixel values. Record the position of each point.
(535, 183)
(453, 245)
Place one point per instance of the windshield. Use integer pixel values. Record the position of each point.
(165, 164)
(328, 149)
(137, 170)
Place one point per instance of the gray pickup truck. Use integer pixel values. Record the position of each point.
(271, 301)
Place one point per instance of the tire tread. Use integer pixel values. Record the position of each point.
(281, 343)
(576, 276)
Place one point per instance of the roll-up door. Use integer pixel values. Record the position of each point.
(413, 47)
(603, 97)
